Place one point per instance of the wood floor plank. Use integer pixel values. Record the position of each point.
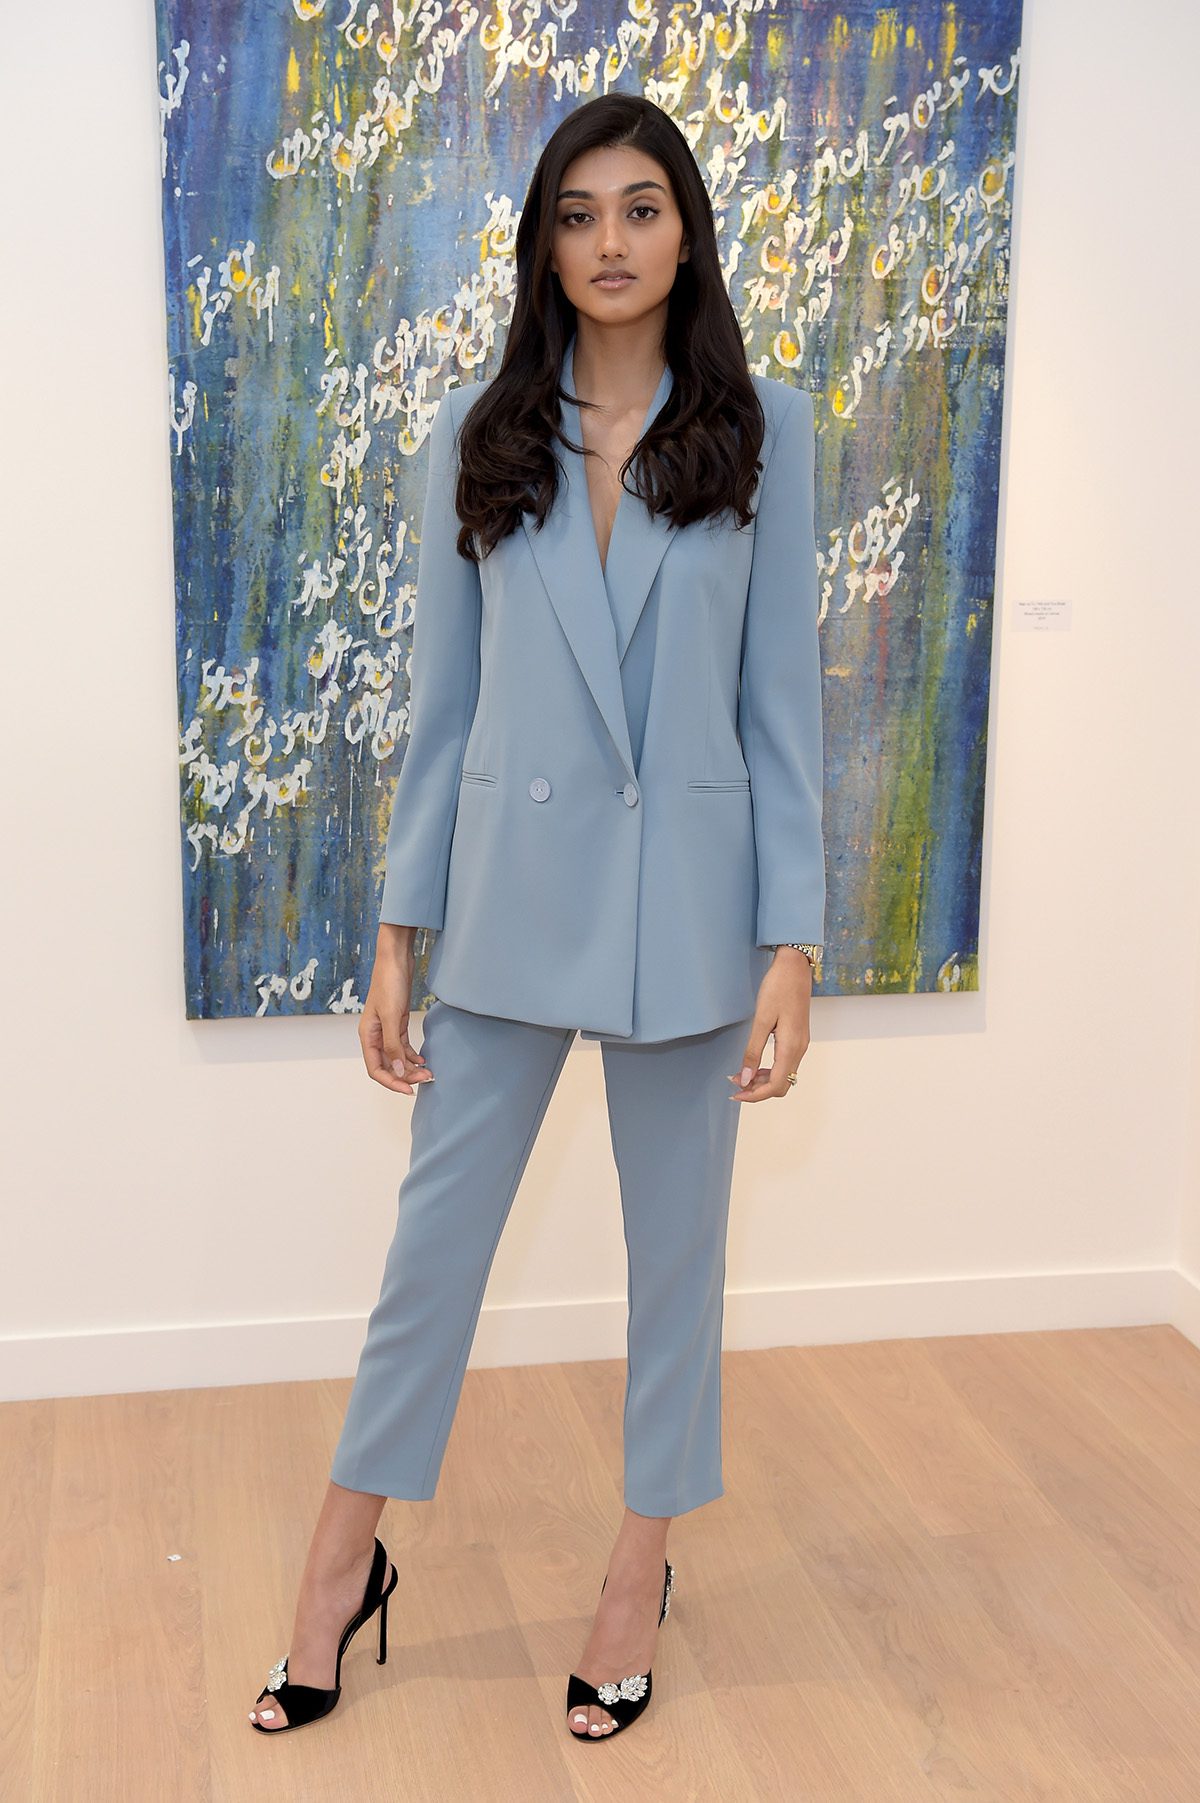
(864, 1554)
(26, 1487)
(122, 1628)
(1141, 1524)
(937, 1454)
(958, 1568)
(1063, 1617)
(1153, 1411)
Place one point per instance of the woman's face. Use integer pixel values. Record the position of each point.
(615, 215)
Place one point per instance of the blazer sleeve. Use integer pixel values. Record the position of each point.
(443, 693)
(779, 694)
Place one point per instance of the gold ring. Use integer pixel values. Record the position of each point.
(791, 1076)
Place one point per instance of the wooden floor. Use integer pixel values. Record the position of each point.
(959, 1568)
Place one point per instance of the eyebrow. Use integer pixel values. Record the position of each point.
(586, 193)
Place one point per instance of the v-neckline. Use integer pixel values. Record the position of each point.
(656, 401)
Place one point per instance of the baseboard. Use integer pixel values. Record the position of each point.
(259, 1352)
(1185, 1303)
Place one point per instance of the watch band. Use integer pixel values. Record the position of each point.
(812, 952)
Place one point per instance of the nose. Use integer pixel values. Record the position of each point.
(612, 239)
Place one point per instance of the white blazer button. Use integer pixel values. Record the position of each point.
(539, 788)
(631, 795)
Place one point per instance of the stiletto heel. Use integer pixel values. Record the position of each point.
(307, 1703)
(382, 1659)
(624, 1698)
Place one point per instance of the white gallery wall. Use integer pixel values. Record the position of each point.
(210, 1202)
(1186, 1314)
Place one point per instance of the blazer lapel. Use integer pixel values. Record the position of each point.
(599, 631)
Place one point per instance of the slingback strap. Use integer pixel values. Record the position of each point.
(668, 1593)
(373, 1594)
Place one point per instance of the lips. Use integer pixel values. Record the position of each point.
(611, 281)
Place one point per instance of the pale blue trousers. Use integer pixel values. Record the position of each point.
(673, 1131)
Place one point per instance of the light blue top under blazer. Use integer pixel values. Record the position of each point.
(610, 801)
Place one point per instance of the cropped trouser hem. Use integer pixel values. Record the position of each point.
(386, 1485)
(672, 1506)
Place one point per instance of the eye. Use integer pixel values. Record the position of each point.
(642, 206)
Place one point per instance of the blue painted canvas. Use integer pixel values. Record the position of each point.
(341, 186)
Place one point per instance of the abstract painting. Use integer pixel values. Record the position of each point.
(341, 189)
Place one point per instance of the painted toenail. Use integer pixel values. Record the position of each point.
(268, 1715)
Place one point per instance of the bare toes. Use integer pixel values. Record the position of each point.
(270, 1715)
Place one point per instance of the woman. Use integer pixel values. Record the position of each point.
(610, 811)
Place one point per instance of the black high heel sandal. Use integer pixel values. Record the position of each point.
(308, 1702)
(624, 1698)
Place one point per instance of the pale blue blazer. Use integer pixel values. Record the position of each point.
(610, 802)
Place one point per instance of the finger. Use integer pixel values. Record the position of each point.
(387, 1054)
(381, 1070)
(407, 1065)
(396, 1073)
(788, 1055)
(752, 1059)
(413, 1061)
(755, 1090)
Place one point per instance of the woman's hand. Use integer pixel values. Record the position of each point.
(784, 998)
(383, 1029)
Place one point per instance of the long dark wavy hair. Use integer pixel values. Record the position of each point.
(700, 456)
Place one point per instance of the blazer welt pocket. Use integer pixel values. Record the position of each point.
(732, 782)
(477, 776)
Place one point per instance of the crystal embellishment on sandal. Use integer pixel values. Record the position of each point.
(670, 1590)
(631, 1689)
(277, 1674)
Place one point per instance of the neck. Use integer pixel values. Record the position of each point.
(618, 367)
